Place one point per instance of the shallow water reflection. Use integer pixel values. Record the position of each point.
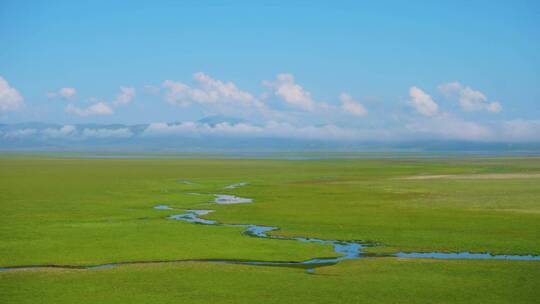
(346, 250)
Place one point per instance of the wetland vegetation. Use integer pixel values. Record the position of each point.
(83, 212)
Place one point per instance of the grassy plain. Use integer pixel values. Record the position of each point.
(385, 280)
(73, 211)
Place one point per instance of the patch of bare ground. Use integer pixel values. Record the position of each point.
(476, 176)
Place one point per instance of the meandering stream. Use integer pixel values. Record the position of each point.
(344, 249)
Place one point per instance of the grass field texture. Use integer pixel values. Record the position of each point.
(69, 211)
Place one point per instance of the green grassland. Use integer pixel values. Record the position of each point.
(385, 280)
(70, 211)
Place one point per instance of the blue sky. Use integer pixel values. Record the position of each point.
(455, 69)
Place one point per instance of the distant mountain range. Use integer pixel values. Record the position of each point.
(216, 134)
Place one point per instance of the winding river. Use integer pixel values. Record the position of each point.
(345, 250)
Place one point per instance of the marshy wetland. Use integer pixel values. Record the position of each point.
(179, 229)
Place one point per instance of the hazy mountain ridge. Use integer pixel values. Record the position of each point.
(211, 134)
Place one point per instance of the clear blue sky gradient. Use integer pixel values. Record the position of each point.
(375, 50)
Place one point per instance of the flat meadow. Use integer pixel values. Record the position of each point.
(81, 211)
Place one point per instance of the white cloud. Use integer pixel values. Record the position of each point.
(521, 130)
(349, 105)
(193, 128)
(292, 93)
(65, 93)
(99, 108)
(177, 93)
(21, 133)
(271, 129)
(10, 99)
(494, 107)
(422, 102)
(125, 96)
(325, 132)
(69, 132)
(442, 127)
(447, 127)
(470, 100)
(63, 132)
(107, 133)
(207, 91)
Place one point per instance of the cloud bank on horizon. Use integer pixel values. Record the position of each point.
(285, 110)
